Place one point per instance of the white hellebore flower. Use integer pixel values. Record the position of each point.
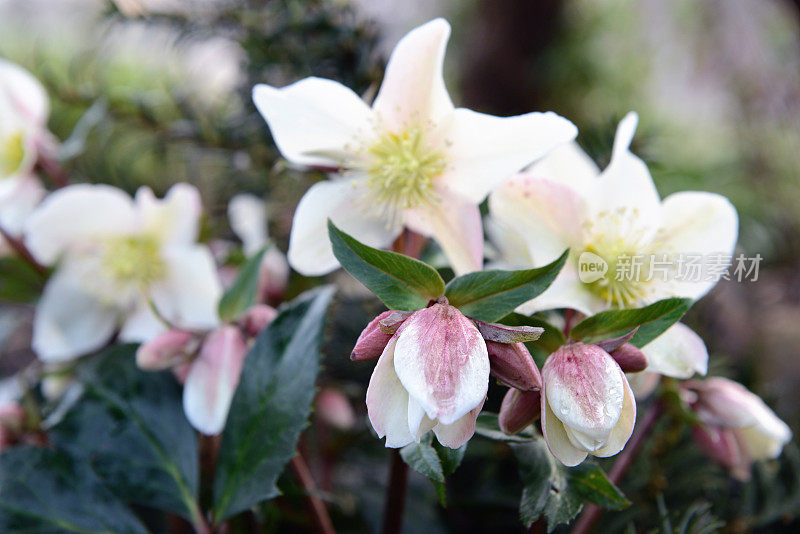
(432, 374)
(412, 159)
(611, 222)
(738, 427)
(587, 405)
(118, 259)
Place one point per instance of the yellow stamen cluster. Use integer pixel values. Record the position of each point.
(403, 169)
(134, 260)
(12, 152)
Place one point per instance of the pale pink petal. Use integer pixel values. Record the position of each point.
(413, 89)
(313, 121)
(566, 291)
(567, 165)
(212, 380)
(387, 401)
(678, 352)
(484, 150)
(458, 433)
(442, 362)
(456, 226)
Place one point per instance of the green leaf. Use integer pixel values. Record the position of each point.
(450, 458)
(488, 427)
(423, 459)
(19, 281)
(402, 283)
(47, 491)
(491, 295)
(550, 341)
(652, 321)
(242, 293)
(557, 491)
(131, 428)
(271, 405)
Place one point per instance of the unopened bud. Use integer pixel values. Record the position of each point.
(612, 344)
(630, 358)
(513, 365)
(519, 409)
(334, 408)
(256, 318)
(165, 350)
(721, 445)
(373, 339)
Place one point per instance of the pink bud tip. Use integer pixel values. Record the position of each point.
(373, 339)
(165, 350)
(257, 318)
(519, 409)
(512, 364)
(334, 408)
(630, 358)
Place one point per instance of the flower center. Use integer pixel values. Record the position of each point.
(615, 241)
(403, 169)
(12, 152)
(133, 260)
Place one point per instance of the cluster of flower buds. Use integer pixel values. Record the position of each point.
(585, 402)
(736, 427)
(433, 371)
(17, 428)
(208, 363)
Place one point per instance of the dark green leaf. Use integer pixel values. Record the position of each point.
(131, 428)
(549, 341)
(450, 458)
(491, 295)
(19, 281)
(402, 283)
(422, 458)
(46, 491)
(271, 405)
(652, 321)
(242, 293)
(488, 427)
(591, 483)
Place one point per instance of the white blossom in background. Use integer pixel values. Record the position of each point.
(587, 405)
(117, 259)
(565, 202)
(411, 160)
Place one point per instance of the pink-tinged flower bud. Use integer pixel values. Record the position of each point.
(519, 409)
(212, 379)
(373, 338)
(513, 365)
(256, 319)
(726, 404)
(629, 358)
(165, 350)
(612, 344)
(721, 445)
(273, 275)
(334, 408)
(587, 405)
(12, 424)
(432, 375)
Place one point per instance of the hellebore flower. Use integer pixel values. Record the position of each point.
(627, 247)
(433, 372)
(412, 159)
(119, 259)
(587, 406)
(737, 427)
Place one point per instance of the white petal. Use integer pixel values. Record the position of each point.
(548, 215)
(625, 131)
(678, 352)
(141, 324)
(442, 361)
(342, 201)
(766, 440)
(697, 223)
(75, 215)
(566, 291)
(23, 92)
(624, 427)
(556, 437)
(70, 321)
(212, 380)
(484, 151)
(413, 87)
(19, 203)
(312, 116)
(418, 422)
(510, 248)
(567, 165)
(458, 433)
(643, 383)
(456, 226)
(175, 218)
(387, 401)
(189, 293)
(247, 216)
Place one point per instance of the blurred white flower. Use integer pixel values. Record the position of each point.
(613, 218)
(587, 405)
(119, 259)
(411, 160)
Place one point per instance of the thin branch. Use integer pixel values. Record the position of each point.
(22, 251)
(317, 506)
(395, 495)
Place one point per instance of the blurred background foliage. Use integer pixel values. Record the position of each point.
(152, 92)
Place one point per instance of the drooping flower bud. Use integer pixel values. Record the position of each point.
(513, 365)
(376, 335)
(629, 358)
(721, 445)
(334, 408)
(256, 319)
(519, 409)
(587, 405)
(166, 350)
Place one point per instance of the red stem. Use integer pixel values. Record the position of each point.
(592, 512)
(317, 506)
(22, 251)
(395, 495)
